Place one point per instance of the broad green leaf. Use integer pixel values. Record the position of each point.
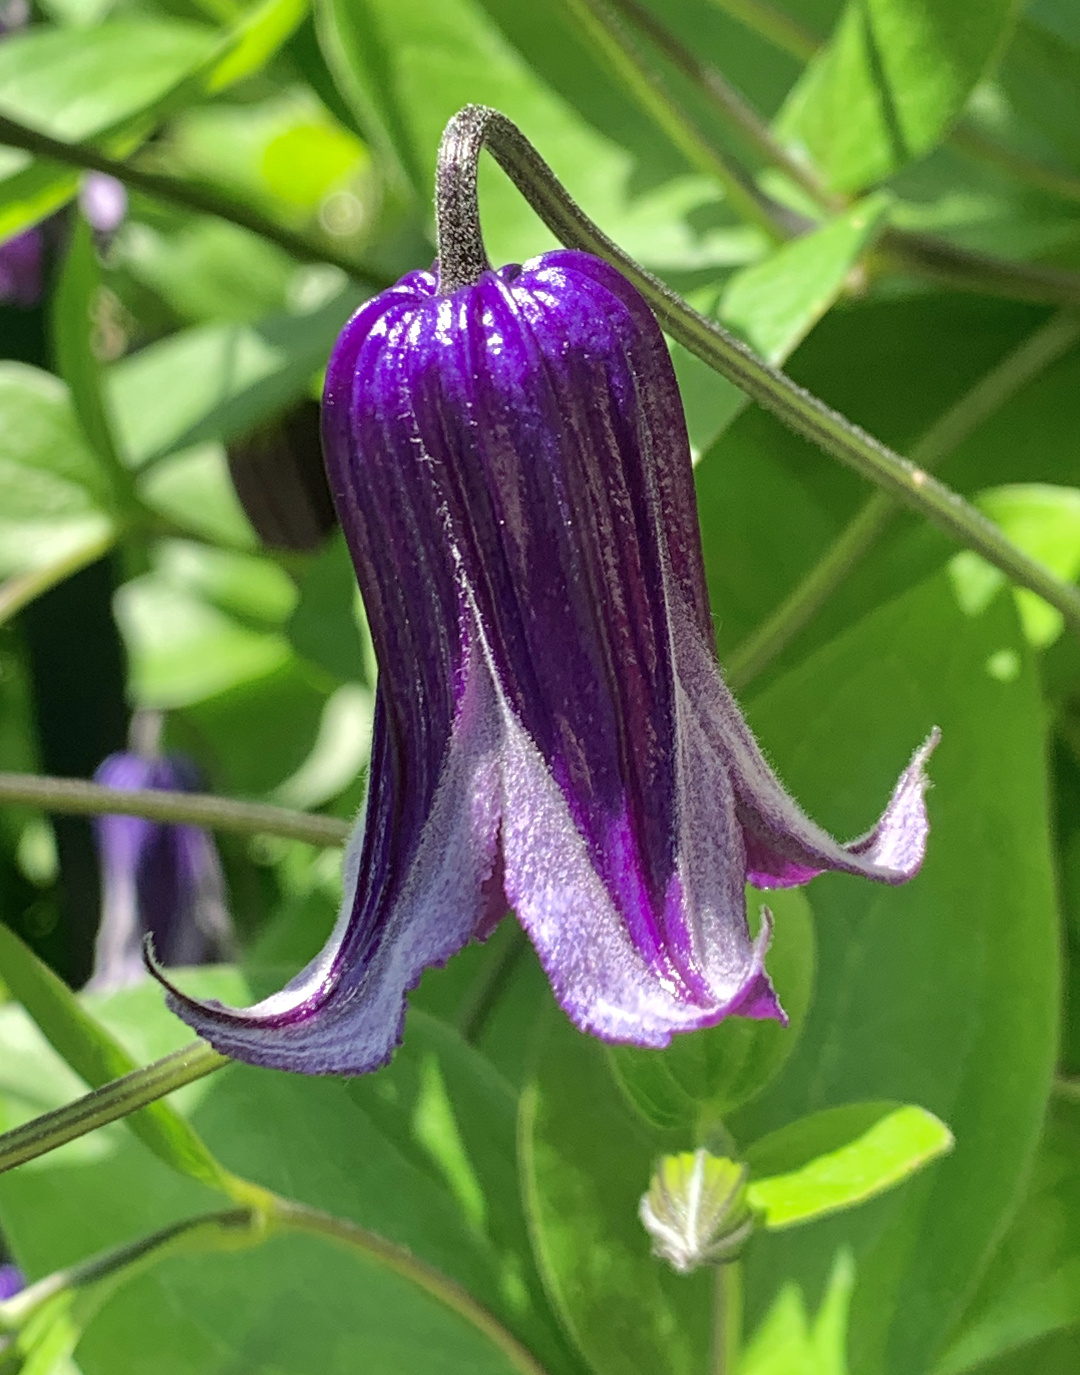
(113, 82)
(1032, 1286)
(1042, 520)
(216, 382)
(941, 992)
(586, 1159)
(788, 1340)
(53, 498)
(896, 1143)
(183, 650)
(773, 305)
(1039, 74)
(406, 1152)
(888, 83)
(193, 489)
(324, 626)
(97, 1057)
(703, 1075)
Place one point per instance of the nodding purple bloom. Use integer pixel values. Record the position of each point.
(158, 879)
(11, 1282)
(552, 734)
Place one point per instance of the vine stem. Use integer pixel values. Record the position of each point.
(76, 797)
(108, 1104)
(299, 1217)
(189, 196)
(987, 396)
(727, 1319)
(771, 388)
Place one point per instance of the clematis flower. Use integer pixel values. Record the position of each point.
(158, 878)
(552, 734)
(11, 1281)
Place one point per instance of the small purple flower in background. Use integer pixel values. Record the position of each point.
(11, 1281)
(22, 268)
(552, 734)
(158, 879)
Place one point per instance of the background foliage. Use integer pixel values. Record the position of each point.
(910, 235)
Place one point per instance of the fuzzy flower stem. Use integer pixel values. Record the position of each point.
(75, 797)
(108, 1103)
(771, 388)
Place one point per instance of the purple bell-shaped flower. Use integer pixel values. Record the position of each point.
(159, 879)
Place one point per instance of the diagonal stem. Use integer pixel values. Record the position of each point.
(987, 396)
(604, 30)
(189, 196)
(76, 797)
(108, 1103)
(774, 390)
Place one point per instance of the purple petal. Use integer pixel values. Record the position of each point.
(22, 268)
(157, 878)
(11, 1281)
(511, 470)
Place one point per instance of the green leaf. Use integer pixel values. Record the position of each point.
(897, 1142)
(1032, 1286)
(97, 1057)
(406, 68)
(422, 1153)
(774, 305)
(111, 83)
(788, 1340)
(703, 1075)
(1042, 520)
(942, 992)
(586, 1159)
(53, 498)
(216, 382)
(888, 83)
(183, 650)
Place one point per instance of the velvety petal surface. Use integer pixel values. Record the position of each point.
(511, 469)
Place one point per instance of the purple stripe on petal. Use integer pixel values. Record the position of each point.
(511, 469)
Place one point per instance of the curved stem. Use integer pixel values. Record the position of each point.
(605, 32)
(964, 270)
(300, 1218)
(462, 256)
(188, 195)
(76, 797)
(986, 397)
(971, 140)
(774, 390)
(108, 1103)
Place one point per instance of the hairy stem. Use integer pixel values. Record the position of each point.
(76, 797)
(774, 390)
(187, 195)
(987, 396)
(108, 1103)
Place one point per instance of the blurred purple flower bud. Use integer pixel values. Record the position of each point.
(511, 469)
(11, 1281)
(22, 268)
(14, 15)
(103, 201)
(159, 879)
(278, 476)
